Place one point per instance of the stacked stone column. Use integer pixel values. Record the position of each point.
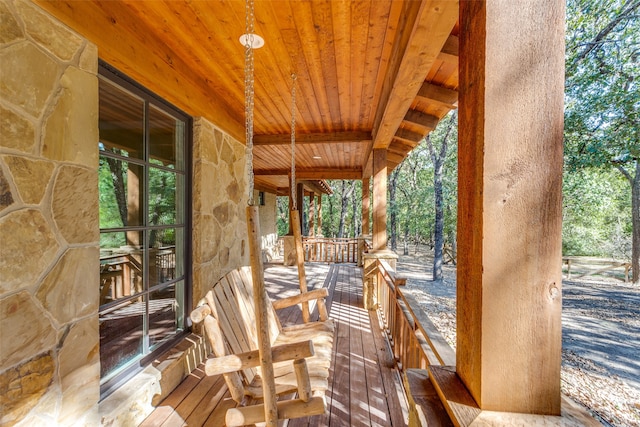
(49, 231)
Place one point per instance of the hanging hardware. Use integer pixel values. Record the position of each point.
(249, 39)
(293, 141)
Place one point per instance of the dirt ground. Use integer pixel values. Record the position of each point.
(600, 337)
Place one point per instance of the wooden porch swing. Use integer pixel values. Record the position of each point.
(261, 361)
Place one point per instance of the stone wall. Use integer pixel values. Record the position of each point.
(268, 227)
(219, 201)
(49, 267)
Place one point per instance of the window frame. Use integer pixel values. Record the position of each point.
(150, 99)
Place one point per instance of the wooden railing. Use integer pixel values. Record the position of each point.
(121, 273)
(587, 266)
(330, 250)
(415, 341)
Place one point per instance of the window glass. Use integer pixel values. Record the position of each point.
(121, 188)
(121, 116)
(162, 197)
(121, 335)
(166, 135)
(143, 224)
(165, 264)
(164, 317)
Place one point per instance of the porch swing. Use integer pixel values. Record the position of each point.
(254, 353)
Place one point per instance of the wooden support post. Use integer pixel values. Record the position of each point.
(302, 276)
(312, 213)
(509, 207)
(262, 317)
(366, 203)
(379, 199)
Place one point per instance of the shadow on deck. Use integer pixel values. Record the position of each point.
(364, 387)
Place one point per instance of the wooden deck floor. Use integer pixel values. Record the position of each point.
(364, 388)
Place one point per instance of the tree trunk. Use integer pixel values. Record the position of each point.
(328, 231)
(438, 238)
(346, 192)
(634, 180)
(438, 241)
(393, 211)
(635, 208)
(354, 203)
(117, 176)
(406, 238)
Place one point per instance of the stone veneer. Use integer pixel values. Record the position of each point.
(269, 227)
(219, 202)
(49, 267)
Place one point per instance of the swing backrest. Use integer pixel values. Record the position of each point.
(233, 307)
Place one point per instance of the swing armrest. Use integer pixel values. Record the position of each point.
(297, 299)
(251, 359)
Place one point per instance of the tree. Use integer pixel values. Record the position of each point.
(393, 207)
(438, 144)
(347, 189)
(602, 120)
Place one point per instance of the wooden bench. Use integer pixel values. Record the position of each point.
(229, 318)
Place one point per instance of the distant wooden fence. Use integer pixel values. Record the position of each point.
(330, 250)
(594, 266)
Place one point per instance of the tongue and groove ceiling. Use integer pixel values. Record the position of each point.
(370, 74)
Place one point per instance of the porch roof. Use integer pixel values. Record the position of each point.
(370, 74)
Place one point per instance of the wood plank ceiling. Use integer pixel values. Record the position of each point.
(377, 73)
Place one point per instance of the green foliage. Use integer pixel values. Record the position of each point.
(602, 120)
(596, 220)
(602, 126)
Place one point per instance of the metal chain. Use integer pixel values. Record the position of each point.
(293, 142)
(248, 93)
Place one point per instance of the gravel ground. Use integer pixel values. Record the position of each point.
(600, 338)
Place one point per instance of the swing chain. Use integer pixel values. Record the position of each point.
(293, 141)
(249, 94)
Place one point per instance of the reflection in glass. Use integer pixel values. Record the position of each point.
(121, 266)
(121, 186)
(164, 266)
(164, 309)
(121, 334)
(121, 121)
(166, 136)
(162, 197)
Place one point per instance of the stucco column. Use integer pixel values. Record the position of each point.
(509, 208)
(379, 199)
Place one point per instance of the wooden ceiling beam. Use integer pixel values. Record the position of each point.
(431, 28)
(408, 135)
(315, 186)
(439, 94)
(314, 173)
(394, 157)
(449, 52)
(426, 121)
(403, 147)
(313, 138)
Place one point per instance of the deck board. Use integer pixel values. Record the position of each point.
(364, 388)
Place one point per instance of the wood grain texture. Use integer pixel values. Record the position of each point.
(510, 180)
(359, 66)
(379, 199)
